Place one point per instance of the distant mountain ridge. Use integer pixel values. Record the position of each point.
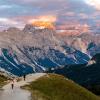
(35, 50)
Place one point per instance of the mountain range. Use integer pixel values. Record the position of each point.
(36, 49)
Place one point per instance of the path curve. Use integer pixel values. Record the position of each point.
(17, 93)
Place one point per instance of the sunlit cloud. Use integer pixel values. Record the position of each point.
(95, 3)
(43, 18)
(43, 21)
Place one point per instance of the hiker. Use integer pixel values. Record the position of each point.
(12, 84)
(24, 77)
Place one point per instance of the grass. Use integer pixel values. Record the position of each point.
(3, 80)
(56, 87)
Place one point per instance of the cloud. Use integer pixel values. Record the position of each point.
(95, 3)
(9, 22)
(63, 12)
(83, 16)
(47, 18)
(5, 7)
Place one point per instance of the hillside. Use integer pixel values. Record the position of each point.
(3, 80)
(84, 74)
(87, 75)
(56, 87)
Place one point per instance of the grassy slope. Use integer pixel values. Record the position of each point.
(2, 80)
(56, 87)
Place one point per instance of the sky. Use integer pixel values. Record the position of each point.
(17, 13)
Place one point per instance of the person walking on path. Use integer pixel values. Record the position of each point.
(12, 84)
(24, 77)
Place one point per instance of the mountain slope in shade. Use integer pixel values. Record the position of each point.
(83, 74)
(35, 50)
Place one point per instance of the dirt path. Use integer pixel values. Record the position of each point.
(17, 93)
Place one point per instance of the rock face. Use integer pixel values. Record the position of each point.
(29, 28)
(35, 50)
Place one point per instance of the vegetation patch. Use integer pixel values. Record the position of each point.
(56, 87)
(3, 80)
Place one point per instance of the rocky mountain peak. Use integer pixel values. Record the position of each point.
(29, 28)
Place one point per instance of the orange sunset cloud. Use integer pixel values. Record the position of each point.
(43, 21)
